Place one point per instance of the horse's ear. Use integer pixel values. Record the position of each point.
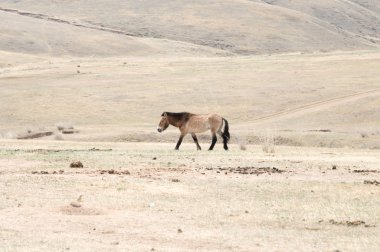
(164, 114)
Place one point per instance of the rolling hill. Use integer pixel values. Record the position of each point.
(235, 26)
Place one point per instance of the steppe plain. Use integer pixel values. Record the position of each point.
(299, 83)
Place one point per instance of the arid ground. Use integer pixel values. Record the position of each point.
(86, 81)
(145, 196)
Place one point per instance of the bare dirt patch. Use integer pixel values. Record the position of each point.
(346, 223)
(366, 171)
(114, 172)
(248, 170)
(69, 131)
(46, 172)
(33, 135)
(372, 182)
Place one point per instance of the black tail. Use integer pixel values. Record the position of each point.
(226, 133)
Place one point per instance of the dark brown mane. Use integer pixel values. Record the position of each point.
(177, 119)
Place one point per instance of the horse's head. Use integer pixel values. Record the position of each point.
(164, 123)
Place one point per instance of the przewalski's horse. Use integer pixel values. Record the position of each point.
(192, 123)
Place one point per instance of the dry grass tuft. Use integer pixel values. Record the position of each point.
(76, 164)
(64, 125)
(268, 142)
(242, 143)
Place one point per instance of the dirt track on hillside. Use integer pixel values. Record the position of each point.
(318, 105)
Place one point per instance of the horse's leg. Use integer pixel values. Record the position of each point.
(196, 141)
(179, 141)
(225, 140)
(214, 139)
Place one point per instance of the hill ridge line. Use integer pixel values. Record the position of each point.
(93, 26)
(58, 20)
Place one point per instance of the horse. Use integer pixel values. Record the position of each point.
(193, 123)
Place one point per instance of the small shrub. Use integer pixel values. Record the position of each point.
(64, 125)
(268, 142)
(76, 164)
(364, 135)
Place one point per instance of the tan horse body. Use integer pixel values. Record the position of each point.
(193, 123)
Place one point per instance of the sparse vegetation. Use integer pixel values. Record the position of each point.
(364, 135)
(60, 127)
(76, 164)
(268, 142)
(242, 143)
(33, 135)
(122, 184)
(64, 125)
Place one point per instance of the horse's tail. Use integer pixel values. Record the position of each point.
(226, 133)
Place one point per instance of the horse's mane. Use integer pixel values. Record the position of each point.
(182, 116)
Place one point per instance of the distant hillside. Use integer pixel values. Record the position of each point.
(235, 26)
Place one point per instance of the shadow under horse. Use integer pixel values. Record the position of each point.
(193, 123)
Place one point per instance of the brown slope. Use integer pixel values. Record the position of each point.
(39, 34)
(244, 27)
(358, 18)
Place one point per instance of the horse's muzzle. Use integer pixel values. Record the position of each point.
(159, 130)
